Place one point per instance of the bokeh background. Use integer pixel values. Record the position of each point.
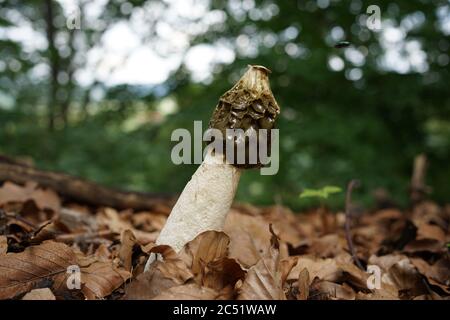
(100, 100)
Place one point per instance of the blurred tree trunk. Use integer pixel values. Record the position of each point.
(70, 82)
(53, 61)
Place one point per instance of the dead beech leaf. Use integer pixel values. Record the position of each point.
(425, 245)
(43, 198)
(149, 284)
(328, 246)
(148, 221)
(324, 269)
(39, 294)
(102, 252)
(110, 219)
(172, 266)
(222, 273)
(249, 237)
(3, 245)
(243, 248)
(264, 280)
(351, 273)
(203, 249)
(286, 266)
(407, 279)
(429, 231)
(170, 272)
(330, 290)
(188, 292)
(437, 274)
(49, 261)
(303, 285)
(284, 223)
(21, 272)
(100, 278)
(387, 261)
(127, 242)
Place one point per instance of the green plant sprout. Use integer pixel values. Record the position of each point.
(320, 193)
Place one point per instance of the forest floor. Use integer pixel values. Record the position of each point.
(52, 248)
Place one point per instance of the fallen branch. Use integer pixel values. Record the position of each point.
(78, 189)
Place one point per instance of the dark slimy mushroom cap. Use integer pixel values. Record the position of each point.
(249, 105)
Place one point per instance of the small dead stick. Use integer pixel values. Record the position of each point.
(17, 217)
(348, 216)
(418, 187)
(83, 237)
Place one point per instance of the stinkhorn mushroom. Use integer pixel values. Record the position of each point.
(206, 199)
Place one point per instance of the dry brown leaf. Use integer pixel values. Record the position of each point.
(284, 224)
(425, 245)
(148, 221)
(387, 261)
(249, 237)
(324, 269)
(203, 249)
(206, 256)
(3, 245)
(48, 263)
(351, 273)
(327, 246)
(127, 242)
(188, 292)
(43, 198)
(21, 272)
(286, 266)
(381, 294)
(430, 213)
(77, 219)
(110, 219)
(221, 274)
(148, 285)
(170, 272)
(39, 294)
(100, 278)
(330, 290)
(428, 231)
(264, 280)
(243, 248)
(172, 266)
(102, 252)
(407, 279)
(437, 274)
(303, 285)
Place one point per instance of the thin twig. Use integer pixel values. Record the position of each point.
(348, 198)
(21, 219)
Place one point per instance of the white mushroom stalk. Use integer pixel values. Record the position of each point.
(206, 199)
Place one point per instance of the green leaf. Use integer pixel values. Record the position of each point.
(320, 193)
(307, 193)
(331, 189)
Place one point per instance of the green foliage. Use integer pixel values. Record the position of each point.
(320, 193)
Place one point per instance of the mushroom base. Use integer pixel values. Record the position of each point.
(203, 205)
